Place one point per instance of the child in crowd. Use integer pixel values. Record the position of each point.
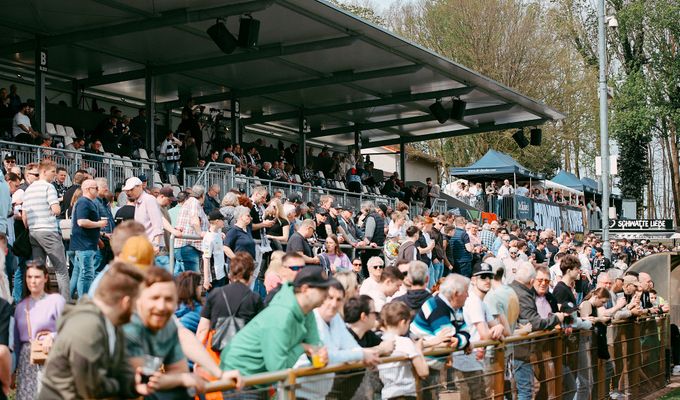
(397, 377)
(214, 260)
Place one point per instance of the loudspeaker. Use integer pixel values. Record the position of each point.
(248, 32)
(520, 139)
(536, 135)
(439, 112)
(222, 37)
(458, 109)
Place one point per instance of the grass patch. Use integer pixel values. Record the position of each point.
(674, 395)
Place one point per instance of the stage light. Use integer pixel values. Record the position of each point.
(458, 109)
(248, 32)
(222, 37)
(520, 139)
(536, 136)
(439, 112)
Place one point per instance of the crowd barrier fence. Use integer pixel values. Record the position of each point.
(564, 366)
(115, 169)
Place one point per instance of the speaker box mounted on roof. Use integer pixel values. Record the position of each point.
(437, 109)
(536, 136)
(222, 37)
(248, 32)
(521, 141)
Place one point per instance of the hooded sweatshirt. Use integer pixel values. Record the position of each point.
(414, 299)
(80, 365)
(272, 341)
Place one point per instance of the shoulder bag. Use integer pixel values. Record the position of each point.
(38, 356)
(65, 226)
(226, 327)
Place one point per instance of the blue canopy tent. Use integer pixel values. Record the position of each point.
(494, 165)
(590, 185)
(569, 180)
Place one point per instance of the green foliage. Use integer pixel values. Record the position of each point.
(632, 122)
(523, 45)
(362, 11)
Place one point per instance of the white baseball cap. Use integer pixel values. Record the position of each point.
(131, 183)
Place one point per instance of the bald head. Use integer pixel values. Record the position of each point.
(645, 281)
(89, 188)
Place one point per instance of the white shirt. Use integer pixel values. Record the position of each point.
(397, 377)
(474, 311)
(212, 247)
(505, 190)
(372, 288)
(20, 119)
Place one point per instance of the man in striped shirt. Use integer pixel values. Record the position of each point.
(40, 210)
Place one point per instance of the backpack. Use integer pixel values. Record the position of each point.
(226, 327)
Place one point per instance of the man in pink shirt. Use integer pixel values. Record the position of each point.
(147, 211)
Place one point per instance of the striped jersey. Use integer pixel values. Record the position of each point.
(38, 199)
(437, 314)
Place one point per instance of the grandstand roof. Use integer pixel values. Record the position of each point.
(342, 73)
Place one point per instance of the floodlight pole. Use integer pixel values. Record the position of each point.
(604, 129)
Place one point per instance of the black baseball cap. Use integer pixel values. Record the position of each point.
(322, 211)
(383, 208)
(313, 276)
(215, 215)
(568, 307)
(293, 197)
(482, 268)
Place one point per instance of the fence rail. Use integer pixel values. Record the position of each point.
(223, 175)
(115, 169)
(564, 364)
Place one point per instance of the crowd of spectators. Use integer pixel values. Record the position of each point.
(264, 282)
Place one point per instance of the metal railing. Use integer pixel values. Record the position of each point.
(563, 364)
(115, 169)
(223, 175)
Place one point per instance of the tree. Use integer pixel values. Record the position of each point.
(524, 46)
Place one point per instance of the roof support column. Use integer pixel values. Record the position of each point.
(302, 143)
(402, 161)
(235, 121)
(357, 137)
(75, 94)
(150, 96)
(40, 69)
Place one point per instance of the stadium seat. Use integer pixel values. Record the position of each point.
(157, 178)
(176, 190)
(67, 141)
(49, 127)
(70, 132)
(321, 175)
(60, 130)
(143, 155)
(173, 180)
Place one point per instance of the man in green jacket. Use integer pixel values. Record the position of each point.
(88, 358)
(282, 332)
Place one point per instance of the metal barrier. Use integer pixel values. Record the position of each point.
(213, 173)
(563, 364)
(115, 169)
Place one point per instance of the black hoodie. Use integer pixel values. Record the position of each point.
(414, 299)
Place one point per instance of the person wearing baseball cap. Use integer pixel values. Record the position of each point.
(255, 350)
(147, 211)
(214, 264)
(482, 326)
(166, 196)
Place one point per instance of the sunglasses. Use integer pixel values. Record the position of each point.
(357, 264)
(543, 281)
(484, 277)
(378, 266)
(296, 267)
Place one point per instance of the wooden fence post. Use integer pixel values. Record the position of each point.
(499, 375)
(558, 352)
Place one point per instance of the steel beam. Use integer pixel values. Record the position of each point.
(168, 18)
(336, 78)
(263, 52)
(402, 160)
(302, 142)
(394, 99)
(40, 69)
(488, 127)
(410, 120)
(150, 97)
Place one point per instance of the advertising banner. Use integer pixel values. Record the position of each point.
(548, 216)
(523, 209)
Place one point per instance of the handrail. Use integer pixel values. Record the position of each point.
(74, 152)
(272, 377)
